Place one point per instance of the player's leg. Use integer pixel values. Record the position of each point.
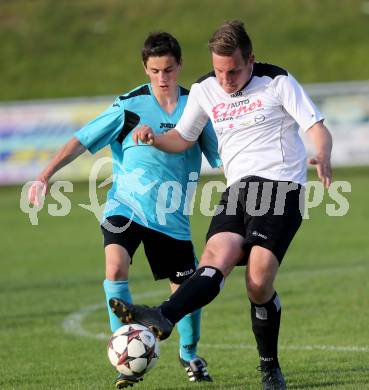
(120, 246)
(189, 335)
(117, 261)
(119, 249)
(265, 304)
(265, 313)
(178, 271)
(188, 330)
(266, 241)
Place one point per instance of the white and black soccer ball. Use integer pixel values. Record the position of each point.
(133, 349)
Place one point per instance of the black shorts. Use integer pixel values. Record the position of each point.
(167, 256)
(266, 212)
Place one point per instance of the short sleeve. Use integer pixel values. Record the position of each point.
(102, 130)
(297, 102)
(194, 118)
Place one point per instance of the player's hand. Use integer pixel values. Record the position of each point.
(144, 134)
(37, 191)
(323, 168)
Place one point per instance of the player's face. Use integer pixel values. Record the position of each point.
(163, 72)
(232, 72)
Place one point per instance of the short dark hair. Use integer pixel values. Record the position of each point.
(228, 38)
(159, 44)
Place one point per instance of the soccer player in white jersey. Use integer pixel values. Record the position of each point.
(131, 214)
(256, 110)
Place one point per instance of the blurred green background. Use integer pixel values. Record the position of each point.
(92, 47)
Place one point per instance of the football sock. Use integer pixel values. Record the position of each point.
(265, 325)
(116, 289)
(189, 334)
(197, 291)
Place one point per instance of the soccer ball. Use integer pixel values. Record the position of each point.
(133, 349)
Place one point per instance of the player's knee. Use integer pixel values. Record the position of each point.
(117, 263)
(211, 257)
(259, 292)
(115, 272)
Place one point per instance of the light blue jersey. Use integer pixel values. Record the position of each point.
(150, 187)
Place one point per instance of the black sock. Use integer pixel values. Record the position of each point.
(265, 325)
(197, 291)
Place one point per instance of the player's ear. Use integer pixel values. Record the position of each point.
(145, 68)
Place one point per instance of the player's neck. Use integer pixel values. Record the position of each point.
(167, 99)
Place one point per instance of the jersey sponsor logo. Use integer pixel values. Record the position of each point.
(223, 111)
(236, 94)
(167, 125)
(184, 273)
(116, 105)
(250, 122)
(259, 118)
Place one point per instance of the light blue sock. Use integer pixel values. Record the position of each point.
(189, 335)
(116, 289)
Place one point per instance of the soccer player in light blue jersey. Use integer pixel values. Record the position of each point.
(150, 197)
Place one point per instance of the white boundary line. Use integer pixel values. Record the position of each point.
(72, 324)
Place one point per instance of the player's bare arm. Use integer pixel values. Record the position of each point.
(69, 152)
(171, 141)
(322, 140)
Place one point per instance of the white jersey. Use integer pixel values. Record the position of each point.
(257, 127)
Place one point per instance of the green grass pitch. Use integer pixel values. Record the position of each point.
(53, 327)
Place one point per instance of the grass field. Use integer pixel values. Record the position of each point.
(53, 328)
